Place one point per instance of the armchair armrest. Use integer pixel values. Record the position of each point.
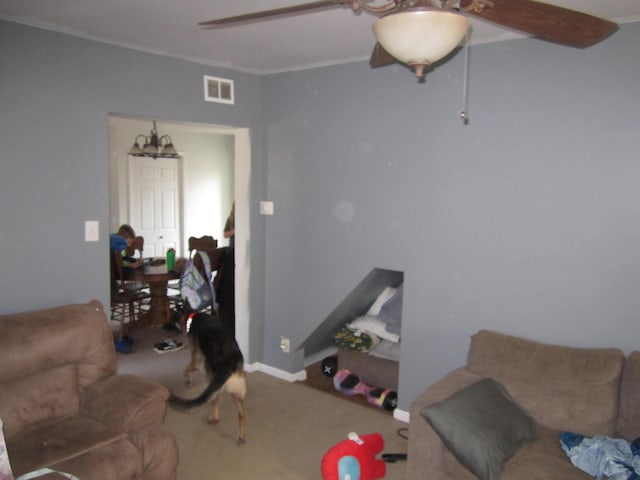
(125, 402)
(428, 457)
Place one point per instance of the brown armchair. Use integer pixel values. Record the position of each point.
(64, 407)
(592, 391)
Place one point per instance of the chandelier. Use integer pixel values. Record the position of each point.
(154, 146)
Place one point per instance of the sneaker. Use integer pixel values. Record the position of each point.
(168, 345)
(127, 339)
(123, 347)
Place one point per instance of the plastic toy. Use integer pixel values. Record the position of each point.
(330, 366)
(355, 459)
(350, 384)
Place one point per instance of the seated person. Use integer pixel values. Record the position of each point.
(121, 241)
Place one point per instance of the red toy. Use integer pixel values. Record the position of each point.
(355, 459)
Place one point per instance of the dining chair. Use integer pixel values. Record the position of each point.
(205, 243)
(216, 257)
(136, 246)
(136, 250)
(126, 300)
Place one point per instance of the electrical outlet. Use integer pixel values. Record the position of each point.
(285, 344)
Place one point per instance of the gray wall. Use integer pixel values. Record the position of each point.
(56, 93)
(526, 221)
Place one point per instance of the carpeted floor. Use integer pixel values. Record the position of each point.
(290, 426)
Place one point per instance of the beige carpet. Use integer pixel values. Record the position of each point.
(290, 426)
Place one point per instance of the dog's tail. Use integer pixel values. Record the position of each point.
(218, 379)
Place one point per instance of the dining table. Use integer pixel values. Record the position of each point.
(155, 274)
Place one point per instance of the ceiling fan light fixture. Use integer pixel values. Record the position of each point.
(421, 36)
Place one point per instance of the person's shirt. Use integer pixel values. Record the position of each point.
(119, 244)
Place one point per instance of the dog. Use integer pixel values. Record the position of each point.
(219, 353)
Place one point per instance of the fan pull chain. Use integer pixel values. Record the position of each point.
(463, 113)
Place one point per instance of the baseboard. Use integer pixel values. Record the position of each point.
(276, 372)
(301, 376)
(316, 357)
(401, 415)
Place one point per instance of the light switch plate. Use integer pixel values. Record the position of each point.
(91, 231)
(266, 208)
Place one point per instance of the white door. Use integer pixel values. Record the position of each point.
(154, 203)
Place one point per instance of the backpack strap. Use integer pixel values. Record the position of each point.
(207, 272)
(45, 471)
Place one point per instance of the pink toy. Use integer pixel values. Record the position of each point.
(350, 384)
(355, 459)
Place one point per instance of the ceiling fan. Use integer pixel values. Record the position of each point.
(421, 32)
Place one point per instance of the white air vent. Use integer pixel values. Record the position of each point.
(218, 90)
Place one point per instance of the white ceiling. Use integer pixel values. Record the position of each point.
(169, 27)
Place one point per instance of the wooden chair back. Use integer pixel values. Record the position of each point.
(215, 259)
(117, 274)
(205, 243)
(137, 245)
(125, 302)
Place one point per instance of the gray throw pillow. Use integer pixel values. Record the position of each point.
(482, 426)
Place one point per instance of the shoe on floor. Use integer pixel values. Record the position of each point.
(123, 347)
(169, 345)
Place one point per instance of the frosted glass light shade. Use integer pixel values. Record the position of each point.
(169, 150)
(420, 36)
(135, 149)
(150, 149)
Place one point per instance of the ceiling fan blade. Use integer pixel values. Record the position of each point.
(547, 22)
(380, 57)
(276, 12)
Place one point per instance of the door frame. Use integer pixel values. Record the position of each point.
(242, 195)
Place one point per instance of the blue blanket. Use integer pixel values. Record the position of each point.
(601, 456)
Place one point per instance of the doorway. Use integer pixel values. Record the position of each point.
(205, 201)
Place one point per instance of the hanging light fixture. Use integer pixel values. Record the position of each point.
(420, 35)
(154, 146)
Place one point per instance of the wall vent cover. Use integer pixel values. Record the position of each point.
(219, 90)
